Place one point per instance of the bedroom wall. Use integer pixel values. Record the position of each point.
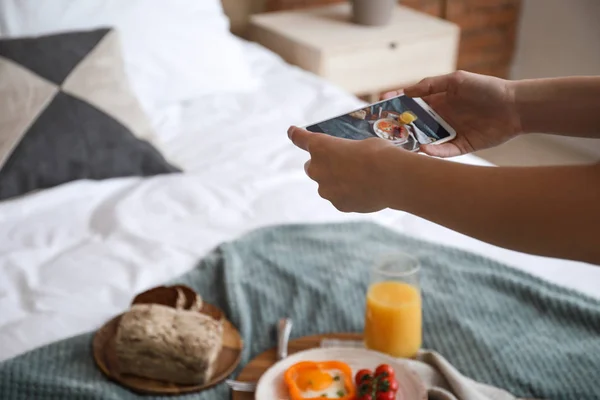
(558, 38)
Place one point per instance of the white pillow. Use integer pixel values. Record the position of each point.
(174, 50)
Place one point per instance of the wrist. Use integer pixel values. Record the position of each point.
(540, 103)
(535, 102)
(514, 96)
(393, 168)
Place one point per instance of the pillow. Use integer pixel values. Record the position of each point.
(66, 113)
(174, 50)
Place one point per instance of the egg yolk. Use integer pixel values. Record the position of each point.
(313, 379)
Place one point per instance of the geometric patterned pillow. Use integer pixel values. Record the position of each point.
(67, 113)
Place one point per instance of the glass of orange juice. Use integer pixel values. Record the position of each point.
(393, 316)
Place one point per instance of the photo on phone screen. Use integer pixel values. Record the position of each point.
(402, 120)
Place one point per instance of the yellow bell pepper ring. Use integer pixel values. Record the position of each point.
(315, 377)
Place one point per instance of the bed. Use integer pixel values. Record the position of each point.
(72, 256)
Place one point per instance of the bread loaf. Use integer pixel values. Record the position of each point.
(159, 342)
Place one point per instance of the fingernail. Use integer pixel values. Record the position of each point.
(290, 130)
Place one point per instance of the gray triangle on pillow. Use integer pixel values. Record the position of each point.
(73, 140)
(90, 127)
(54, 56)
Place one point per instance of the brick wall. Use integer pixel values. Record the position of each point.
(488, 28)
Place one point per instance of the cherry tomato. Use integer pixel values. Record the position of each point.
(385, 369)
(386, 396)
(363, 376)
(387, 385)
(365, 388)
(366, 397)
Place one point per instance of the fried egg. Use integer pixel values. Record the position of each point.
(326, 383)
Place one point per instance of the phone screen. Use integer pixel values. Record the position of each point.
(401, 120)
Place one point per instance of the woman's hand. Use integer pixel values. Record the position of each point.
(480, 108)
(349, 172)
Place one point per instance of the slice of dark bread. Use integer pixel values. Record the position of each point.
(180, 297)
(193, 301)
(163, 295)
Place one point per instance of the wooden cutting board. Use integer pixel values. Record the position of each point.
(227, 361)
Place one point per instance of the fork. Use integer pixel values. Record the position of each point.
(284, 328)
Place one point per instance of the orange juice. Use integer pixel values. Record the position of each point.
(393, 319)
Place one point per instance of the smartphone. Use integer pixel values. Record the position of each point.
(407, 122)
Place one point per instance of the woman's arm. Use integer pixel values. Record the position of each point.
(486, 111)
(565, 106)
(549, 211)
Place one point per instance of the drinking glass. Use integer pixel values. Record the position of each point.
(393, 315)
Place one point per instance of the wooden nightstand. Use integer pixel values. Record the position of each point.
(363, 60)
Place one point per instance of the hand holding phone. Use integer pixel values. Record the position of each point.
(481, 109)
(348, 172)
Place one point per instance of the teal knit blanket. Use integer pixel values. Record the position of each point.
(495, 324)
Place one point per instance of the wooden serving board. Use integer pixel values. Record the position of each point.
(261, 363)
(103, 347)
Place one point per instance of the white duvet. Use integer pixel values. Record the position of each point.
(73, 256)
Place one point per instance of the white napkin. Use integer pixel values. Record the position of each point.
(443, 381)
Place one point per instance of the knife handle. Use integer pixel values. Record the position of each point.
(284, 328)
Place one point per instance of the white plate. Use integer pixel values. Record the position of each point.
(384, 135)
(272, 387)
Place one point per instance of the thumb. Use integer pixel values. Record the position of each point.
(429, 86)
(300, 137)
(441, 150)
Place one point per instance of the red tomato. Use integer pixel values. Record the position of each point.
(384, 368)
(386, 396)
(386, 384)
(366, 397)
(363, 376)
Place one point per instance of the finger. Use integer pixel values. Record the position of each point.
(429, 86)
(393, 93)
(306, 166)
(324, 193)
(434, 100)
(342, 206)
(300, 137)
(441, 150)
(310, 170)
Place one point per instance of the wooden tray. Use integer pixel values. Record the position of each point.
(259, 365)
(255, 368)
(103, 347)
